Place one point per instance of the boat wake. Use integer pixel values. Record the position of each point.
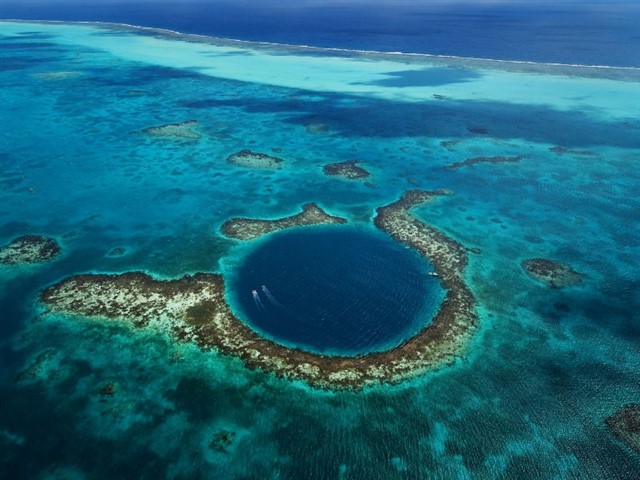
(257, 301)
(269, 296)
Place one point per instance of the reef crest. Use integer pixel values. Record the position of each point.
(552, 273)
(249, 228)
(247, 158)
(194, 308)
(349, 170)
(183, 130)
(29, 249)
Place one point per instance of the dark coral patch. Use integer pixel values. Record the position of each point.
(551, 272)
(108, 389)
(625, 424)
(183, 130)
(562, 151)
(450, 143)
(117, 252)
(478, 130)
(317, 128)
(249, 228)
(29, 249)
(348, 169)
(201, 313)
(475, 160)
(222, 441)
(247, 158)
(36, 367)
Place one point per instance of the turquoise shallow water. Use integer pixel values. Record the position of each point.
(547, 366)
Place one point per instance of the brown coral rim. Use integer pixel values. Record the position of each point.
(249, 228)
(169, 306)
(475, 160)
(29, 249)
(349, 170)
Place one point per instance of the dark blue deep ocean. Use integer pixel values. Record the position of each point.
(566, 31)
(529, 396)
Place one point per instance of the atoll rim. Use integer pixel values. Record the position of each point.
(250, 228)
(29, 249)
(194, 308)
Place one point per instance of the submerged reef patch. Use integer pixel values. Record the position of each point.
(562, 151)
(248, 228)
(108, 389)
(475, 160)
(349, 170)
(62, 75)
(247, 158)
(183, 130)
(193, 308)
(29, 249)
(316, 128)
(551, 272)
(117, 252)
(222, 441)
(36, 367)
(625, 424)
(450, 143)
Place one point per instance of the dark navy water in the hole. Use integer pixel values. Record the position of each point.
(336, 290)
